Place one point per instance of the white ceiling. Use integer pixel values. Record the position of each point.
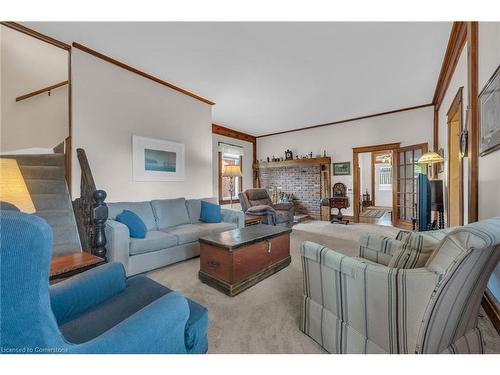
(270, 77)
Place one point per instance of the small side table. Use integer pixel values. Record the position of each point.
(72, 264)
(252, 220)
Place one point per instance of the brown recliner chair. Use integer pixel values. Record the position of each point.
(257, 202)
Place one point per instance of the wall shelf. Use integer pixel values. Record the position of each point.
(293, 163)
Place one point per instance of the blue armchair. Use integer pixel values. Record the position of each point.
(98, 311)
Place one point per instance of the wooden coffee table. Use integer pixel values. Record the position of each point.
(237, 259)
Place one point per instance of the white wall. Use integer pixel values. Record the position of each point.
(28, 64)
(458, 80)
(489, 175)
(246, 168)
(110, 105)
(408, 127)
(365, 172)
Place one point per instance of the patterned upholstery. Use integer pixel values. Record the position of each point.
(356, 306)
(414, 251)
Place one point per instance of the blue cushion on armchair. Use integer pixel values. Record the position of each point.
(135, 225)
(210, 212)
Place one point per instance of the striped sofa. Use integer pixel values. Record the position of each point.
(420, 294)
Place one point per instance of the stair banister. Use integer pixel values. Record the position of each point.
(91, 210)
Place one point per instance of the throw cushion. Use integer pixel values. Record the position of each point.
(210, 212)
(141, 209)
(194, 208)
(134, 223)
(414, 252)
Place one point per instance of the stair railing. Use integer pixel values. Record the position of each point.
(91, 212)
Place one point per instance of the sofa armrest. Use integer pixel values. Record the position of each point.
(230, 215)
(157, 328)
(379, 249)
(118, 242)
(80, 293)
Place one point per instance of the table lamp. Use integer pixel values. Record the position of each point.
(13, 189)
(231, 171)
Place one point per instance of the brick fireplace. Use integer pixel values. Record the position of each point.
(308, 180)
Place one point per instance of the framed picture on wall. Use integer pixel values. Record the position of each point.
(342, 169)
(489, 110)
(157, 159)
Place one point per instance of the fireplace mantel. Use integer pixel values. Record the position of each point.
(293, 163)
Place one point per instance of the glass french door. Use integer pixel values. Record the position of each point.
(407, 170)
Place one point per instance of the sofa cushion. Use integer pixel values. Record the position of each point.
(154, 240)
(141, 209)
(209, 228)
(185, 233)
(140, 292)
(134, 223)
(170, 212)
(210, 212)
(194, 208)
(415, 250)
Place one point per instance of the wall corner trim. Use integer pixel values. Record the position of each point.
(456, 42)
(139, 72)
(45, 38)
(348, 120)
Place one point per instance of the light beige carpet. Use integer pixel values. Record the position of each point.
(265, 318)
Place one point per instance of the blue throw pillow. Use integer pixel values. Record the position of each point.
(135, 225)
(210, 212)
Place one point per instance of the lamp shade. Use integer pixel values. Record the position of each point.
(13, 189)
(430, 157)
(231, 171)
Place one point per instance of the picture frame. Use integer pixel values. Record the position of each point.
(157, 159)
(342, 169)
(489, 111)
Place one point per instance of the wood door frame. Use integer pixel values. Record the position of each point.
(355, 161)
(456, 107)
(395, 215)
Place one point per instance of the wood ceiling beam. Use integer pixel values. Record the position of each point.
(226, 132)
(221, 130)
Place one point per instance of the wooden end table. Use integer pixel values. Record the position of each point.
(72, 264)
(252, 220)
(237, 259)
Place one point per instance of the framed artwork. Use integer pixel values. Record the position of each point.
(489, 110)
(157, 159)
(342, 169)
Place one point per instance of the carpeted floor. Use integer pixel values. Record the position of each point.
(265, 318)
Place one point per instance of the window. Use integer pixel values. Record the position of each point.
(385, 177)
(229, 155)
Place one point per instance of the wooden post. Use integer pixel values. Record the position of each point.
(473, 78)
(100, 215)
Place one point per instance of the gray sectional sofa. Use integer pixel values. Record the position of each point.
(174, 227)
